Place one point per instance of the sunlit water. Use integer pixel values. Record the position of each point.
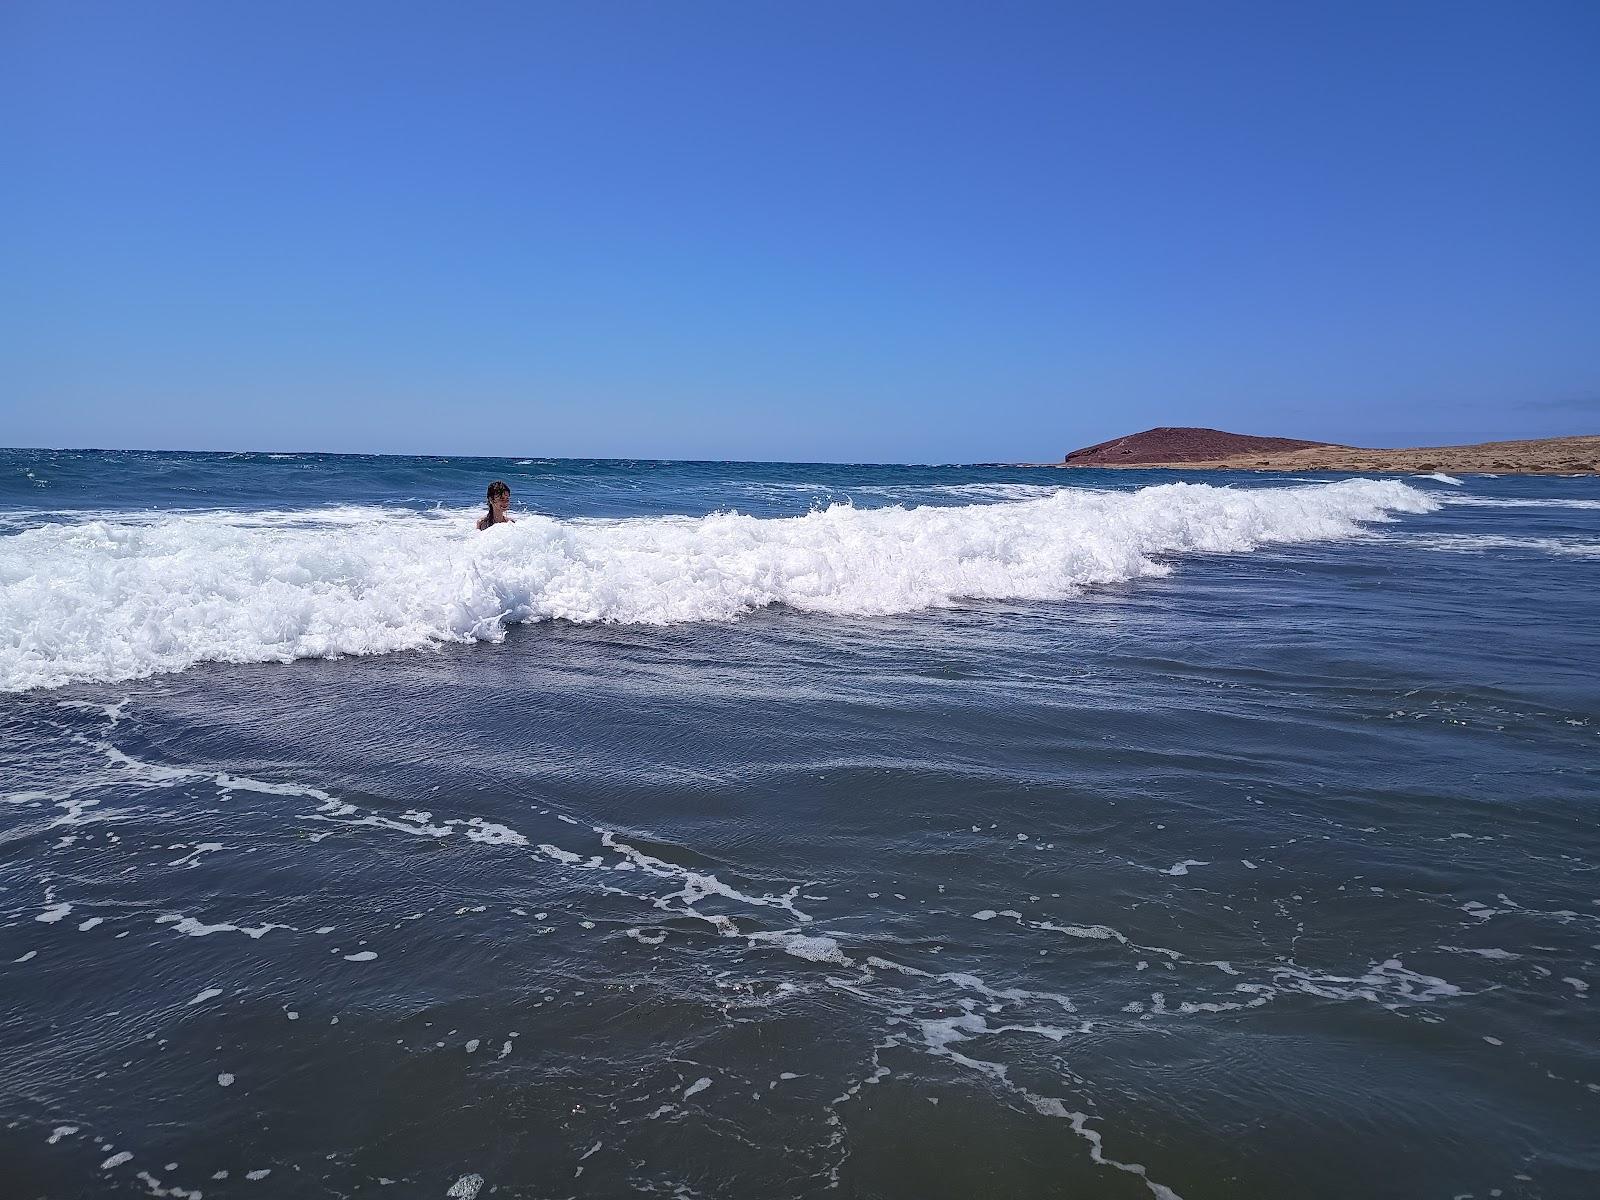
(736, 830)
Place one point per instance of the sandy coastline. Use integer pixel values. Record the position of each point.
(1540, 456)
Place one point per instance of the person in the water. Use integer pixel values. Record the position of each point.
(499, 501)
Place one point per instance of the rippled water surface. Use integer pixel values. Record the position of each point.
(737, 830)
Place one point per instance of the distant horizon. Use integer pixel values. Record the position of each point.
(837, 462)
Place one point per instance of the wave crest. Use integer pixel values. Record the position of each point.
(116, 599)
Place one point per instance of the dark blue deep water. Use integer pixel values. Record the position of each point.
(746, 830)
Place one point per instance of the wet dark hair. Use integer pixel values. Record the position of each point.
(498, 488)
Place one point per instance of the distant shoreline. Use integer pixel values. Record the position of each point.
(1578, 455)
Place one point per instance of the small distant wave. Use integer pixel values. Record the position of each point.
(1441, 477)
(784, 492)
(1522, 502)
(1466, 543)
(965, 491)
(904, 493)
(124, 597)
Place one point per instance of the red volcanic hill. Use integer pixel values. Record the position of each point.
(1180, 443)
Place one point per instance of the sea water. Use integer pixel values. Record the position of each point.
(728, 829)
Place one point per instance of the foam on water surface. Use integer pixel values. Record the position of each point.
(1464, 543)
(996, 1035)
(1568, 502)
(123, 597)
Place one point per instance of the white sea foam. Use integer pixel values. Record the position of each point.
(123, 598)
(941, 1037)
(809, 947)
(1467, 543)
(1522, 502)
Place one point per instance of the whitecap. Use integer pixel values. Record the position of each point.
(127, 596)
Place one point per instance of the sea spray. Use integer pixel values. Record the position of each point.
(124, 597)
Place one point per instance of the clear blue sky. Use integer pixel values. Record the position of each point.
(850, 231)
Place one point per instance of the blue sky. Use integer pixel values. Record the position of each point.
(844, 231)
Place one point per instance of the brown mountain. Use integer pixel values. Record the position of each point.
(1180, 444)
(1211, 449)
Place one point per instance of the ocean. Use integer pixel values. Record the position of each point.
(753, 830)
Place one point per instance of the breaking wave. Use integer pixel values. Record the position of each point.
(122, 597)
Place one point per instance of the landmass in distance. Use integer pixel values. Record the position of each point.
(1193, 448)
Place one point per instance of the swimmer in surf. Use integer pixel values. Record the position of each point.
(499, 501)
